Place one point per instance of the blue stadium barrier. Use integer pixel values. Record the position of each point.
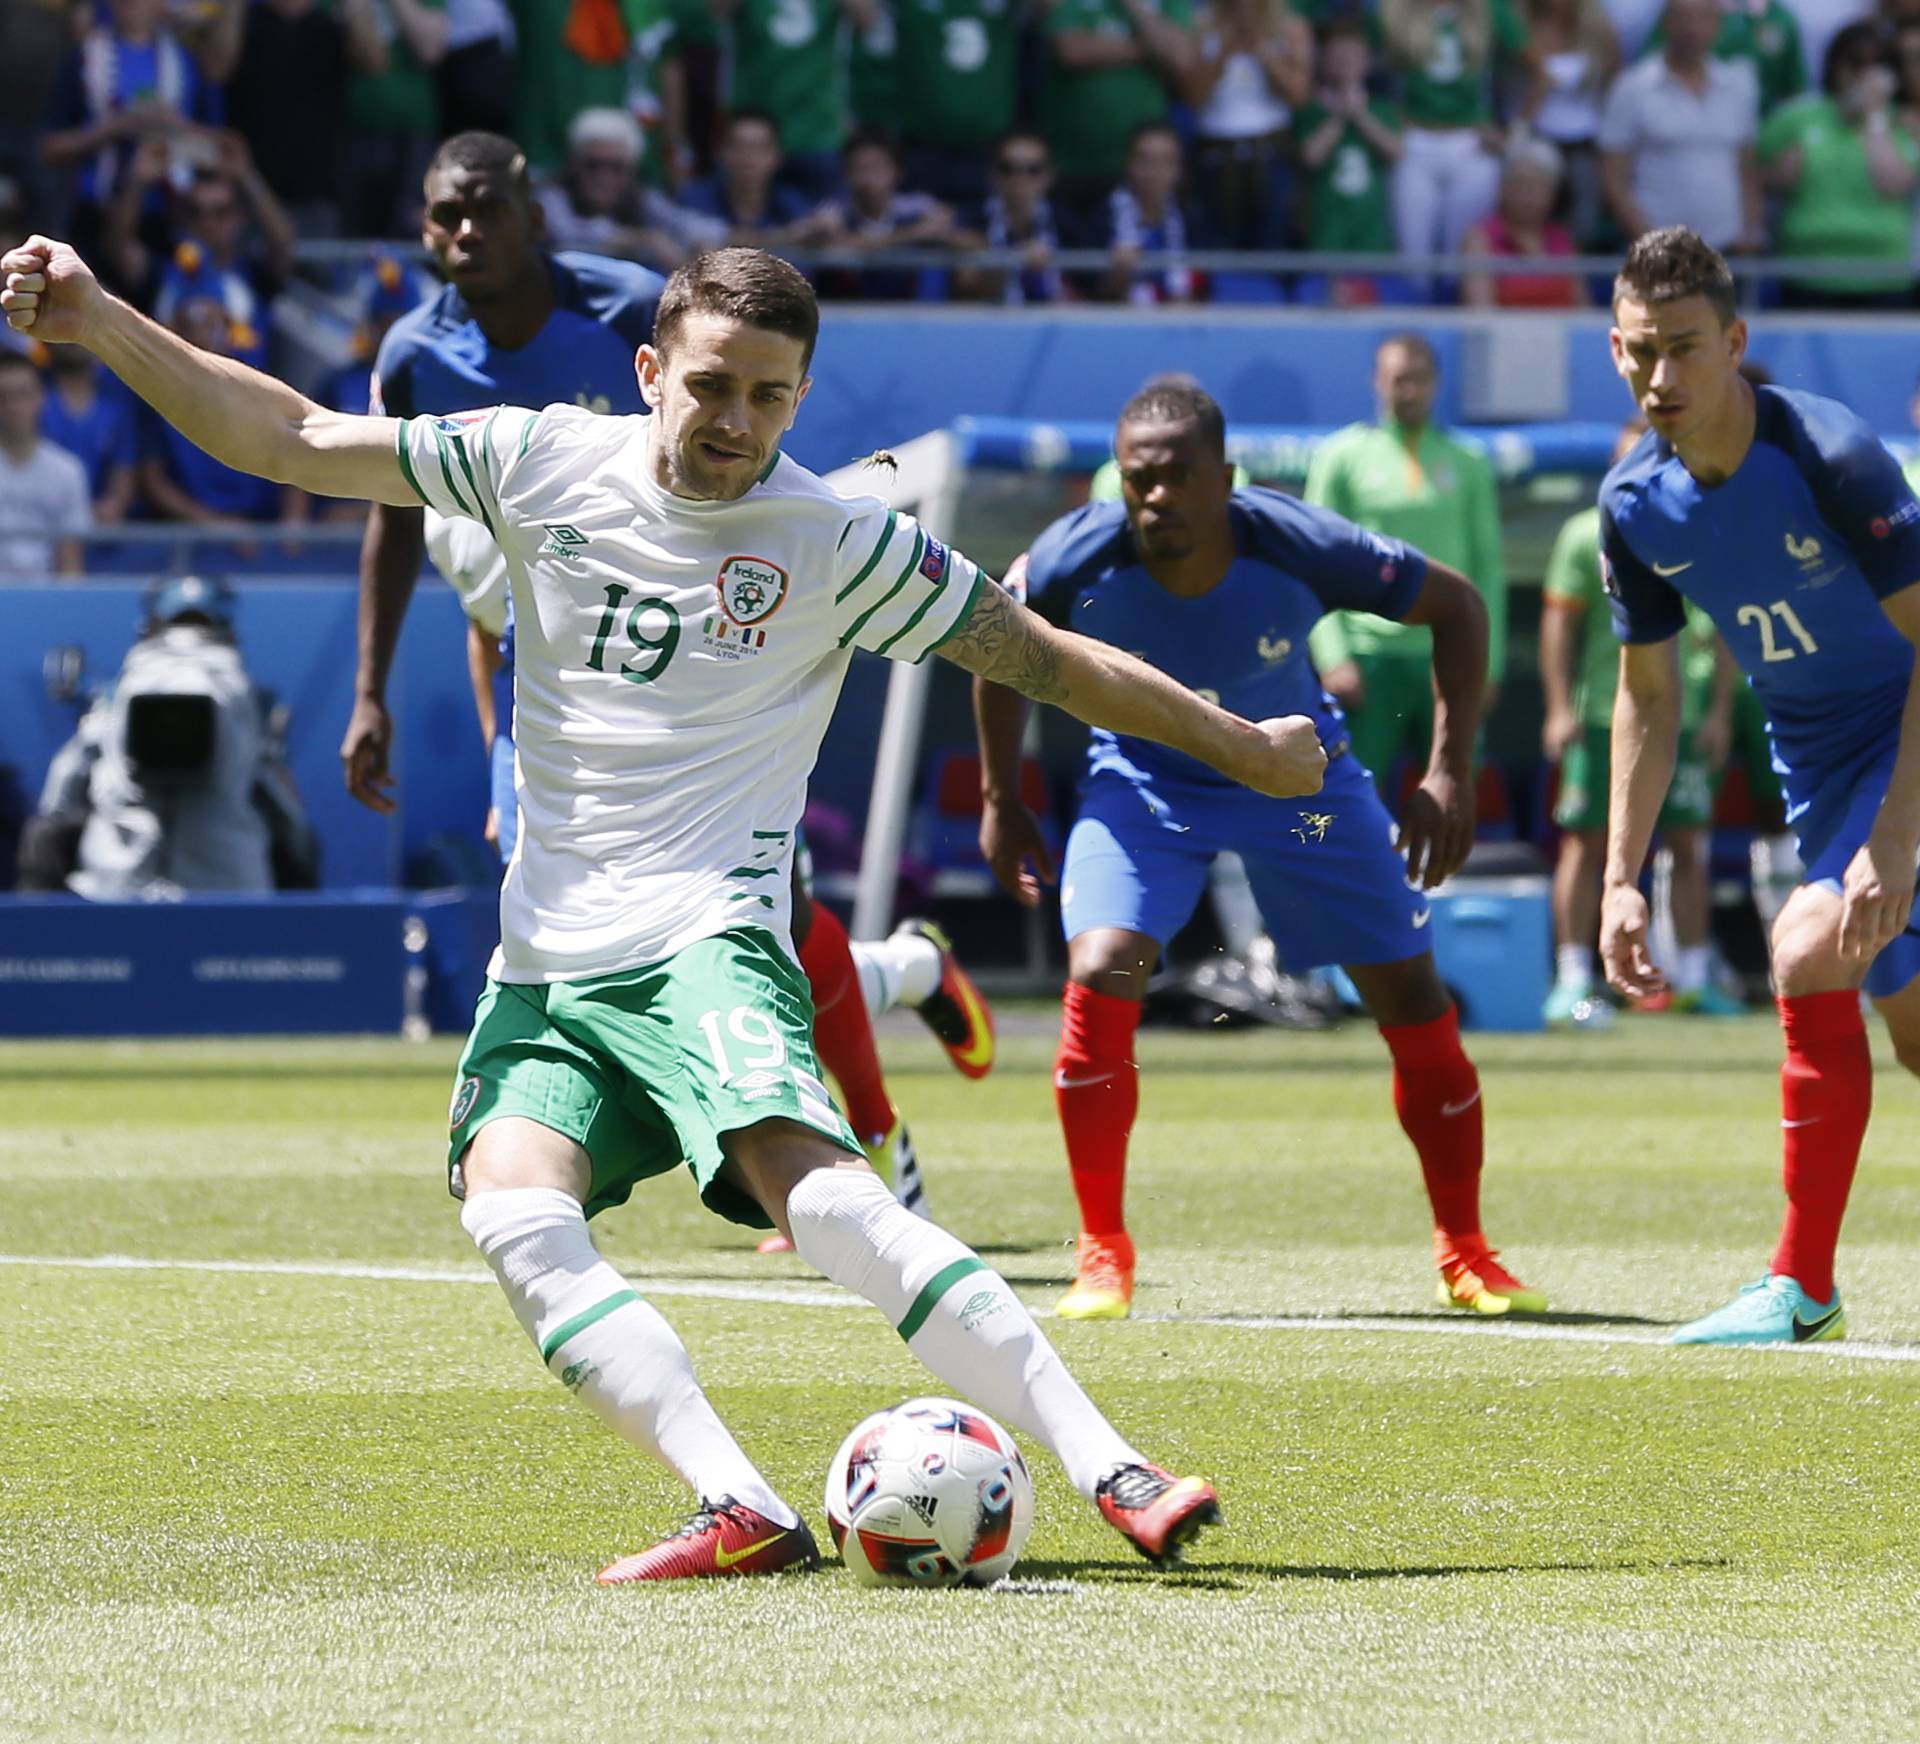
(308, 962)
(882, 376)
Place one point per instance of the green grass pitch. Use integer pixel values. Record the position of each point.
(325, 1491)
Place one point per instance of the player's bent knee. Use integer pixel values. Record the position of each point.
(514, 1151)
(1112, 961)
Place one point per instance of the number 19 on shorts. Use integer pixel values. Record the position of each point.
(758, 1045)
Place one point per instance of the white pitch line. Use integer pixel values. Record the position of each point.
(801, 1296)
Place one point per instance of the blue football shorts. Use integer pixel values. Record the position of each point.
(1831, 829)
(1331, 885)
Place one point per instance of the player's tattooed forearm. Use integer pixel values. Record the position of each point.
(1002, 640)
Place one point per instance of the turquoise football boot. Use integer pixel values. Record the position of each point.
(1773, 1311)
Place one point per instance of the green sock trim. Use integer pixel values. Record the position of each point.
(580, 1322)
(937, 1286)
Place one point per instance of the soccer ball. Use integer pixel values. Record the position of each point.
(930, 1494)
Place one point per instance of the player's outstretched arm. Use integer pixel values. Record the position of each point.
(248, 420)
(1646, 742)
(1003, 641)
(1437, 830)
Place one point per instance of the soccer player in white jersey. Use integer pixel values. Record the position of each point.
(688, 601)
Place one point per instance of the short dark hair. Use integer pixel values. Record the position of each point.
(1146, 129)
(1022, 135)
(871, 139)
(733, 118)
(484, 154)
(742, 284)
(1847, 43)
(1178, 399)
(1408, 340)
(1667, 265)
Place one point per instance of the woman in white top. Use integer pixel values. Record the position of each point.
(1254, 69)
(1579, 55)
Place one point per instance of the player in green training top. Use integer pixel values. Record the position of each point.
(1403, 477)
(1577, 735)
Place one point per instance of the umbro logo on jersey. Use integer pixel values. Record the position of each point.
(562, 540)
(1273, 649)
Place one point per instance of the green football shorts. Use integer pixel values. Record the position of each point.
(651, 1067)
(1584, 777)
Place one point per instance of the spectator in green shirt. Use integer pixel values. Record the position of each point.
(1577, 735)
(1404, 477)
(393, 119)
(1448, 176)
(1348, 143)
(1766, 35)
(789, 58)
(1846, 168)
(1111, 66)
(958, 69)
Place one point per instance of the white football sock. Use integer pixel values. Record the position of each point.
(957, 1316)
(1573, 965)
(606, 1344)
(902, 970)
(1689, 968)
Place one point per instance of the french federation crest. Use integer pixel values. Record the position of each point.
(751, 589)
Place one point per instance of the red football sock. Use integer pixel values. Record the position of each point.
(842, 1031)
(1096, 1087)
(1436, 1093)
(1826, 1094)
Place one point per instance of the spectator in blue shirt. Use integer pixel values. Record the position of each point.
(744, 190)
(1144, 216)
(89, 414)
(130, 78)
(877, 213)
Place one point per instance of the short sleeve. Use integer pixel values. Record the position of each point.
(1645, 608)
(1865, 498)
(1619, 130)
(1045, 577)
(898, 590)
(1572, 575)
(1348, 566)
(459, 465)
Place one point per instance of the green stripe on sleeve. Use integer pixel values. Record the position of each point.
(937, 1286)
(526, 433)
(406, 461)
(913, 563)
(921, 610)
(473, 484)
(446, 470)
(866, 569)
(587, 1317)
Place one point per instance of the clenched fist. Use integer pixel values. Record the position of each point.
(1291, 763)
(50, 292)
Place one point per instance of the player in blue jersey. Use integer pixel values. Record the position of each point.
(1219, 588)
(516, 325)
(1786, 518)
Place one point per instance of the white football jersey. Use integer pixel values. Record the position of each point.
(676, 665)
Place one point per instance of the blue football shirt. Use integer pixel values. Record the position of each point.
(1791, 557)
(1243, 644)
(437, 360)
